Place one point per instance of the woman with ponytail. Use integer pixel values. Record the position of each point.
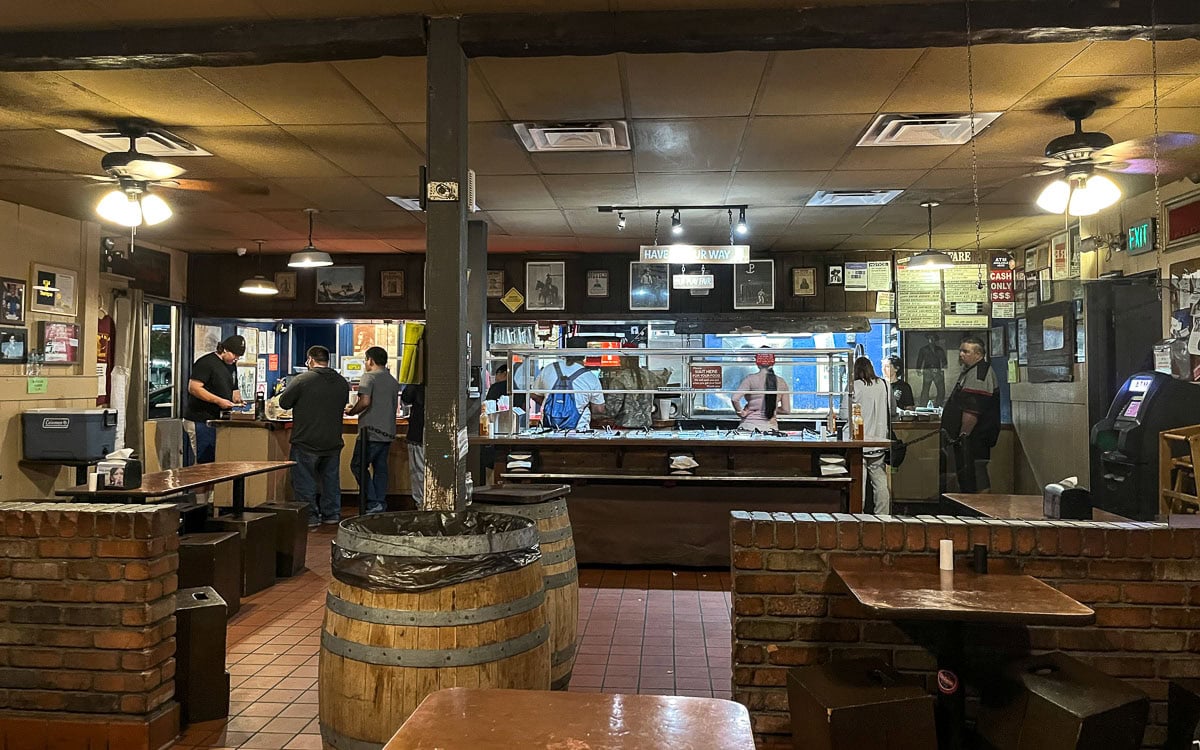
(761, 409)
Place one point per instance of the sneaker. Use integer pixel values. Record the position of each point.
(313, 523)
(333, 521)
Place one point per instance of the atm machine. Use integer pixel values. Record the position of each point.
(1124, 458)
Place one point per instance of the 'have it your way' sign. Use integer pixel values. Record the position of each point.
(685, 254)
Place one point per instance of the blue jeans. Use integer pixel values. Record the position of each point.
(376, 484)
(308, 471)
(204, 449)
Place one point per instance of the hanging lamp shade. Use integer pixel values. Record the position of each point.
(310, 256)
(259, 286)
(930, 259)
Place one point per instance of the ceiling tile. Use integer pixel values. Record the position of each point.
(767, 222)
(583, 191)
(361, 150)
(871, 179)
(513, 193)
(52, 101)
(501, 243)
(1133, 58)
(168, 97)
(889, 158)
(555, 88)
(336, 194)
(588, 222)
(1187, 95)
(875, 242)
(1020, 138)
(64, 14)
(582, 162)
(774, 188)
(826, 218)
(800, 143)
(686, 85)
(1004, 74)
(1112, 91)
(682, 189)
(542, 223)
(687, 145)
(267, 151)
(397, 88)
(495, 149)
(807, 240)
(833, 81)
(271, 91)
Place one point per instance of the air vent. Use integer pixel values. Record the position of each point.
(841, 198)
(925, 130)
(538, 137)
(155, 142)
(408, 204)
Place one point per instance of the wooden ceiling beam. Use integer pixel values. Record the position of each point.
(906, 26)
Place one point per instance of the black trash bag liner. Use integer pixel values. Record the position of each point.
(376, 571)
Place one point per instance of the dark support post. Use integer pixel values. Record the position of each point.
(446, 375)
(477, 330)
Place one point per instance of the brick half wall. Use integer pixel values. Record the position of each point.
(87, 625)
(790, 609)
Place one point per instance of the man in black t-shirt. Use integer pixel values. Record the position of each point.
(212, 388)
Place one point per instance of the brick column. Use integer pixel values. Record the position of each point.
(87, 625)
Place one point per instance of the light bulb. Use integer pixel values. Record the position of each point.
(1054, 197)
(120, 208)
(1094, 194)
(676, 223)
(620, 221)
(742, 227)
(154, 209)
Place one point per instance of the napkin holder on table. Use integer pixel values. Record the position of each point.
(121, 470)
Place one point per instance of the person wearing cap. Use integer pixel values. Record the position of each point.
(760, 410)
(632, 410)
(212, 388)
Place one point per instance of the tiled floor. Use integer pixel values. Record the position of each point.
(641, 631)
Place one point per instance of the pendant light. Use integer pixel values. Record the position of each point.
(310, 257)
(259, 285)
(930, 259)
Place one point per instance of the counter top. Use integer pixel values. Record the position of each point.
(281, 424)
(665, 438)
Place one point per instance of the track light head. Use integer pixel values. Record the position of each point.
(620, 221)
(676, 223)
(741, 227)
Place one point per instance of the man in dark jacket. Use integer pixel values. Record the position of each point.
(317, 399)
(971, 417)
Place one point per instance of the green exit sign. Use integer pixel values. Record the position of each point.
(1141, 237)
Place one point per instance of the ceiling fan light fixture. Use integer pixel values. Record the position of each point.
(259, 286)
(1054, 197)
(1092, 195)
(120, 208)
(154, 209)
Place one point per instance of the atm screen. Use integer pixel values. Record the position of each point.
(1139, 385)
(1131, 409)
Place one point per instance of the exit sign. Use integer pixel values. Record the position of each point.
(1141, 237)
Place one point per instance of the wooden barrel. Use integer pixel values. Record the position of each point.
(562, 578)
(456, 603)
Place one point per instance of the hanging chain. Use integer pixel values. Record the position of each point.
(1154, 145)
(657, 216)
(974, 147)
(731, 226)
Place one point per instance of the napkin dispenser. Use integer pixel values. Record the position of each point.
(121, 470)
(1066, 503)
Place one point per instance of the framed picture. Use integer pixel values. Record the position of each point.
(12, 302)
(14, 345)
(997, 348)
(341, 285)
(754, 285)
(495, 284)
(804, 282)
(205, 339)
(835, 276)
(597, 284)
(1031, 259)
(59, 342)
(649, 286)
(285, 282)
(53, 291)
(1010, 336)
(544, 284)
(1043, 255)
(1045, 287)
(391, 284)
(1183, 221)
(247, 380)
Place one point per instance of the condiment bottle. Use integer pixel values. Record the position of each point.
(831, 423)
(857, 419)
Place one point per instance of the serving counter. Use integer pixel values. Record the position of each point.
(267, 440)
(631, 503)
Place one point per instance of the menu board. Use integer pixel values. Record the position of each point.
(962, 284)
(919, 304)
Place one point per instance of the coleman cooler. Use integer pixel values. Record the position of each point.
(68, 434)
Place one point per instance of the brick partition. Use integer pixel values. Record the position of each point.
(790, 609)
(87, 625)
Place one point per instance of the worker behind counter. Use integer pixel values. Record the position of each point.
(631, 410)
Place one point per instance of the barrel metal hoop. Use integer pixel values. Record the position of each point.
(536, 511)
(562, 579)
(560, 656)
(557, 556)
(429, 619)
(340, 741)
(434, 658)
(555, 535)
(437, 546)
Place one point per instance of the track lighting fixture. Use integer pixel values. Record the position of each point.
(741, 227)
(676, 223)
(620, 221)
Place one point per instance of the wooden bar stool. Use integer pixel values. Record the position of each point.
(1178, 454)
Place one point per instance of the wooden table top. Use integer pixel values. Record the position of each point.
(1020, 507)
(161, 483)
(470, 718)
(922, 592)
(520, 494)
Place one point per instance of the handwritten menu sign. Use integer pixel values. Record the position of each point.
(919, 303)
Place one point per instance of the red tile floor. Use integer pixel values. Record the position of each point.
(641, 631)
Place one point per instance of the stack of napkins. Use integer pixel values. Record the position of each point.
(683, 463)
(519, 463)
(832, 466)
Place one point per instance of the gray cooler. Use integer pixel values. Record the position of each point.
(68, 434)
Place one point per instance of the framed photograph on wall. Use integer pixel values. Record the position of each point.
(1031, 259)
(14, 345)
(59, 342)
(53, 291)
(754, 285)
(341, 285)
(597, 284)
(804, 282)
(545, 286)
(285, 282)
(835, 276)
(997, 344)
(495, 284)
(12, 302)
(649, 286)
(391, 284)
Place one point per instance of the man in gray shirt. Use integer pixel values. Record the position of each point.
(376, 411)
(317, 399)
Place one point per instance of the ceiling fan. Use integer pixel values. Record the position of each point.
(1081, 157)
